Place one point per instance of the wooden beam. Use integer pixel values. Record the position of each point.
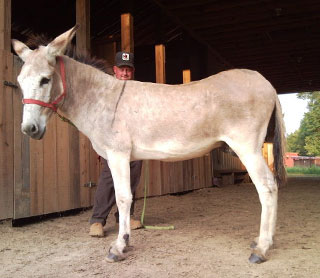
(83, 18)
(192, 33)
(5, 25)
(156, 168)
(160, 56)
(186, 76)
(127, 43)
(84, 152)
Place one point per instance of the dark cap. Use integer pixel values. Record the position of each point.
(124, 59)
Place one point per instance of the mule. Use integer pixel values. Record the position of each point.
(131, 120)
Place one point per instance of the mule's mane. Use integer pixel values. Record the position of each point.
(84, 57)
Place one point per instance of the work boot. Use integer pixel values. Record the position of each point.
(135, 224)
(96, 230)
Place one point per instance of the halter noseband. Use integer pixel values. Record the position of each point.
(52, 105)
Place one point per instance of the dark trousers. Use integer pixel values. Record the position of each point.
(104, 198)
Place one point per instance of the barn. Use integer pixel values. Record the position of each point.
(174, 42)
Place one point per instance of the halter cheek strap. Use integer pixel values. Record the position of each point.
(52, 105)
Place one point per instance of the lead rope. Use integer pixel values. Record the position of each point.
(64, 119)
(146, 180)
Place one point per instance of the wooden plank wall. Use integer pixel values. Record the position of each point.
(222, 160)
(40, 177)
(47, 172)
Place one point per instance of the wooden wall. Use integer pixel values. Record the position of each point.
(48, 173)
(222, 161)
(41, 177)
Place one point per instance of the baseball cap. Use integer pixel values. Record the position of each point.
(124, 59)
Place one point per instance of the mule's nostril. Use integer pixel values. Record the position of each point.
(33, 129)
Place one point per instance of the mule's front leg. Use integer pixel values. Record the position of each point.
(120, 169)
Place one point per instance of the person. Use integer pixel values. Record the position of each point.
(104, 198)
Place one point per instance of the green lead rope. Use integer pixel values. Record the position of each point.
(64, 119)
(146, 180)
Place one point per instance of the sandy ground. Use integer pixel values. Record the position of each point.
(213, 230)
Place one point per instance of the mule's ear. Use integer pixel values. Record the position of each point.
(58, 46)
(21, 49)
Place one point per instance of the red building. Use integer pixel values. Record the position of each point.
(294, 160)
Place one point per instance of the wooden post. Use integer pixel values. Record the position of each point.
(6, 113)
(160, 55)
(5, 25)
(83, 45)
(188, 165)
(267, 152)
(83, 18)
(127, 43)
(156, 167)
(186, 76)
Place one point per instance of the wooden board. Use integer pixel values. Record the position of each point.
(50, 190)
(74, 167)
(63, 171)
(6, 136)
(21, 155)
(36, 177)
(5, 25)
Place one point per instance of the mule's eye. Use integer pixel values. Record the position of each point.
(44, 81)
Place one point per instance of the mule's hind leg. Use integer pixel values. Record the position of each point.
(267, 188)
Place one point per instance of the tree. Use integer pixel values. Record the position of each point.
(306, 140)
(296, 142)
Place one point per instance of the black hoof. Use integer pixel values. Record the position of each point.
(253, 244)
(112, 258)
(126, 239)
(255, 259)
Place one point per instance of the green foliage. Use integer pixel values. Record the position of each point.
(296, 142)
(306, 140)
(314, 170)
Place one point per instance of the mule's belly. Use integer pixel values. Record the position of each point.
(173, 151)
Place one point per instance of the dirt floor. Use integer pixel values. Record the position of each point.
(213, 230)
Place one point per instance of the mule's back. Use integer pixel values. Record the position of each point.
(197, 115)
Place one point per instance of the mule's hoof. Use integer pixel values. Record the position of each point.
(255, 259)
(112, 258)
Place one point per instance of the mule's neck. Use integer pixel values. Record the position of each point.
(90, 92)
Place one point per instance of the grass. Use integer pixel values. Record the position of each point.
(314, 170)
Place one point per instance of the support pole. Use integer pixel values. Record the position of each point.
(88, 159)
(160, 56)
(186, 76)
(127, 43)
(83, 18)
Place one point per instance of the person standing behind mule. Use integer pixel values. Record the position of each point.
(104, 198)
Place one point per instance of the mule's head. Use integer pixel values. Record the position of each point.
(40, 81)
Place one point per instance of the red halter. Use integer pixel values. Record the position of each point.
(52, 105)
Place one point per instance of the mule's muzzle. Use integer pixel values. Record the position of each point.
(33, 130)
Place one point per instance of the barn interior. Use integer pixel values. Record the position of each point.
(280, 39)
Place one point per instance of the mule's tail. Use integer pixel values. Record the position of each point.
(279, 144)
